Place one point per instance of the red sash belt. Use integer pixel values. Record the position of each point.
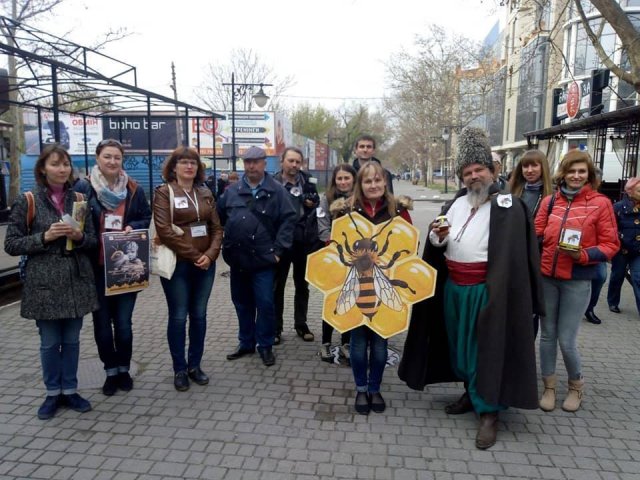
(467, 273)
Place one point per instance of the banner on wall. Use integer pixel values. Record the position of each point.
(252, 129)
(133, 130)
(72, 132)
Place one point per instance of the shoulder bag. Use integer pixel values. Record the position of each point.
(163, 259)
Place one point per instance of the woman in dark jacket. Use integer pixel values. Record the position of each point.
(627, 213)
(197, 247)
(372, 199)
(117, 203)
(59, 287)
(341, 187)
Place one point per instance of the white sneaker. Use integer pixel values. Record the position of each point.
(343, 352)
(325, 353)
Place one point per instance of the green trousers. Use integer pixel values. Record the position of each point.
(461, 307)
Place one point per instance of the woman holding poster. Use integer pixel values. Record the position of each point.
(117, 204)
(58, 284)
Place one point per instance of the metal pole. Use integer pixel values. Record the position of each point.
(149, 150)
(185, 130)
(233, 122)
(446, 165)
(86, 151)
(56, 114)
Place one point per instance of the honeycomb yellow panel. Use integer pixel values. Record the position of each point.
(370, 275)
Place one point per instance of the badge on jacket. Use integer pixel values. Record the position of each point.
(505, 200)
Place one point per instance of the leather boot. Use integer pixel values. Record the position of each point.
(548, 400)
(574, 396)
(488, 430)
(460, 406)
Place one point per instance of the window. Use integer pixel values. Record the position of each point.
(532, 88)
(586, 58)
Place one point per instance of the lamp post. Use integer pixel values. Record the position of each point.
(238, 92)
(445, 137)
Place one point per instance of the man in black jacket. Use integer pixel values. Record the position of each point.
(304, 197)
(258, 221)
(364, 148)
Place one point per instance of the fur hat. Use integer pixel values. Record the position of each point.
(473, 147)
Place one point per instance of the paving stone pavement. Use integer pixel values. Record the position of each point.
(295, 420)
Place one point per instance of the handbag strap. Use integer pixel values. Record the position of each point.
(171, 201)
(31, 209)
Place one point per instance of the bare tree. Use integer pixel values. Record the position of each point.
(613, 14)
(247, 67)
(25, 12)
(445, 83)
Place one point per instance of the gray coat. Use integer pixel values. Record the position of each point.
(58, 284)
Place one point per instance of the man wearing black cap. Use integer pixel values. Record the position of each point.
(258, 221)
(477, 328)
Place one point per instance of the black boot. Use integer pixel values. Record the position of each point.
(592, 317)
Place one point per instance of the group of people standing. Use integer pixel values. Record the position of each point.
(506, 259)
(507, 263)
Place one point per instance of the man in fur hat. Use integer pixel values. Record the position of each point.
(477, 328)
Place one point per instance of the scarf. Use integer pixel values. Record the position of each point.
(533, 186)
(110, 199)
(56, 192)
(569, 192)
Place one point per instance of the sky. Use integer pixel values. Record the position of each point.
(335, 49)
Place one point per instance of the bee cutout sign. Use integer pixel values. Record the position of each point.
(370, 275)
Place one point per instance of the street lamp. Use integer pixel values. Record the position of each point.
(238, 92)
(445, 137)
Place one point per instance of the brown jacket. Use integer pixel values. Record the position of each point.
(185, 246)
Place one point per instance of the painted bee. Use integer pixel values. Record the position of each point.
(366, 284)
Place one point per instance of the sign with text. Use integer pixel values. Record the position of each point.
(72, 132)
(573, 99)
(251, 129)
(133, 130)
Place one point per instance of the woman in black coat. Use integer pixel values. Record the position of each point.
(59, 287)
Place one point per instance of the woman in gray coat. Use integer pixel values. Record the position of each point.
(59, 287)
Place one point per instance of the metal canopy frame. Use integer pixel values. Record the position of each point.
(54, 73)
(622, 123)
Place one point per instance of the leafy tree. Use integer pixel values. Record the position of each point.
(355, 120)
(247, 67)
(313, 122)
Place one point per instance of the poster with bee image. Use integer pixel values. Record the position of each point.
(126, 261)
(370, 274)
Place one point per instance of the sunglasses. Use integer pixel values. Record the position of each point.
(110, 142)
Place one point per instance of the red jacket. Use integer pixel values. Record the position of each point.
(592, 213)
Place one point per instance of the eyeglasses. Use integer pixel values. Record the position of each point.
(184, 161)
(109, 142)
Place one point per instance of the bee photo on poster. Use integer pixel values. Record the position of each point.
(126, 261)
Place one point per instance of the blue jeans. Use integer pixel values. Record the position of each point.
(112, 328)
(187, 293)
(368, 352)
(252, 295)
(618, 268)
(565, 302)
(596, 285)
(59, 354)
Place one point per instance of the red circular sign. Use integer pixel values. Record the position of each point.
(573, 100)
